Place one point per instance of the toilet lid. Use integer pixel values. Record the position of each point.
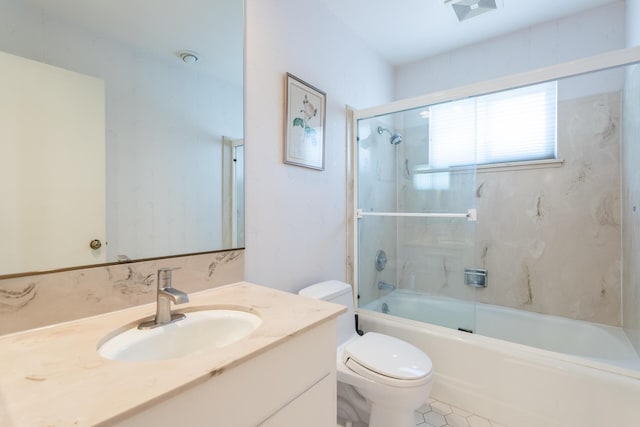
(388, 356)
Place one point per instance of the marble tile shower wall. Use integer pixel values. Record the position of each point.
(631, 207)
(34, 301)
(550, 237)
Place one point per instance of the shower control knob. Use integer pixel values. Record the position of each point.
(381, 260)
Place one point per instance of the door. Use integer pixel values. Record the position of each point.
(52, 166)
(415, 223)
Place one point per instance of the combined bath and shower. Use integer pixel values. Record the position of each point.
(395, 138)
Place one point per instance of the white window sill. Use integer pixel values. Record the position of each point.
(509, 166)
(495, 167)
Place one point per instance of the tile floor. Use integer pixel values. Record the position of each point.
(440, 414)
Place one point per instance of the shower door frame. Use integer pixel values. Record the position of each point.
(612, 59)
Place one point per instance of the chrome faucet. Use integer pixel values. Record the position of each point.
(166, 295)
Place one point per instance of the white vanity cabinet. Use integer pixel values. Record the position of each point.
(310, 409)
(290, 384)
(281, 374)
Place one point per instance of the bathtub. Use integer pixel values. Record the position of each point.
(517, 368)
(594, 341)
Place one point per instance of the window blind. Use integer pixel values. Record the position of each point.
(509, 126)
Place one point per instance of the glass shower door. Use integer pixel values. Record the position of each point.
(415, 223)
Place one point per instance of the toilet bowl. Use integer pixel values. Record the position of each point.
(383, 379)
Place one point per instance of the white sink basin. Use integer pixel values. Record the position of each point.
(201, 329)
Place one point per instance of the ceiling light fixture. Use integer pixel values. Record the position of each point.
(467, 9)
(188, 57)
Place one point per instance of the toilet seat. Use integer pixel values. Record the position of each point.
(387, 360)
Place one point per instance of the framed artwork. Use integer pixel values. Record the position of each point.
(305, 111)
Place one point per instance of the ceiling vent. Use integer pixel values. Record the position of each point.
(467, 9)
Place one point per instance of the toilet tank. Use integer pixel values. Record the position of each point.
(338, 293)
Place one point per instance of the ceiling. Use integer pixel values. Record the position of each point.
(211, 28)
(403, 31)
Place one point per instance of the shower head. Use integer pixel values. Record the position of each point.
(395, 138)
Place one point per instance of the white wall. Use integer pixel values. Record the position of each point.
(633, 22)
(295, 217)
(595, 31)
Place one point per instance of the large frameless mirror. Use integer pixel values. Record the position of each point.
(121, 131)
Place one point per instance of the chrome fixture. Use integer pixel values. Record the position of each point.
(166, 295)
(475, 277)
(385, 308)
(470, 215)
(467, 9)
(381, 260)
(386, 286)
(395, 139)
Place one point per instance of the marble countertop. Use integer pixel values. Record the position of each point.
(53, 376)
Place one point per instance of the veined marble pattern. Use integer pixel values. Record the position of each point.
(549, 237)
(34, 301)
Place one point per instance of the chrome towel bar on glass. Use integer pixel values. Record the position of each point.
(470, 215)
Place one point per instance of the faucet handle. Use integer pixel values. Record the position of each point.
(164, 277)
(168, 268)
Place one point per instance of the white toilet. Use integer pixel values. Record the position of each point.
(381, 380)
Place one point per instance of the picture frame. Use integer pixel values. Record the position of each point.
(305, 115)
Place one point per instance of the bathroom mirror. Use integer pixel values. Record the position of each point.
(121, 130)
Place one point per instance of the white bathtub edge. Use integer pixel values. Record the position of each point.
(471, 398)
(515, 385)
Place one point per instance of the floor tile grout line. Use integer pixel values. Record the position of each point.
(441, 413)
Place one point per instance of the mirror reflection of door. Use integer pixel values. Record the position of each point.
(233, 192)
(52, 137)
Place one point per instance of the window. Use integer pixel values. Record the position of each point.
(510, 126)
